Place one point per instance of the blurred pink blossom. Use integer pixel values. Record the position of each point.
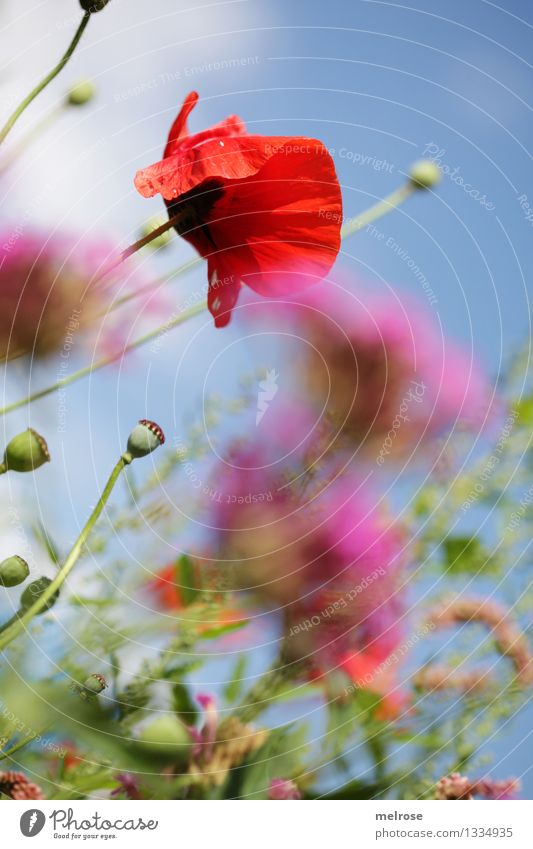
(379, 365)
(52, 295)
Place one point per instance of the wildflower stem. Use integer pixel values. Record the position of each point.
(34, 133)
(6, 753)
(378, 210)
(265, 690)
(105, 361)
(25, 616)
(141, 243)
(181, 269)
(48, 79)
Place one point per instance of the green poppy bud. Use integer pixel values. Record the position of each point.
(424, 174)
(160, 241)
(93, 5)
(26, 452)
(81, 93)
(34, 591)
(95, 683)
(145, 438)
(13, 571)
(166, 738)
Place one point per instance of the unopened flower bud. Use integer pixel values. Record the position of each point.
(93, 5)
(34, 591)
(166, 737)
(13, 571)
(81, 93)
(424, 174)
(145, 438)
(26, 452)
(95, 683)
(160, 241)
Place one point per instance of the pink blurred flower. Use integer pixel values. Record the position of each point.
(457, 787)
(282, 788)
(329, 561)
(51, 294)
(379, 365)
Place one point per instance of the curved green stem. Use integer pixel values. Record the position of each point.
(105, 361)
(48, 79)
(181, 269)
(141, 243)
(378, 210)
(25, 617)
(6, 753)
(31, 136)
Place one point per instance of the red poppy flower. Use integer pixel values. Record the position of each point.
(263, 210)
(163, 586)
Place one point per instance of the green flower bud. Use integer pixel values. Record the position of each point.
(81, 93)
(26, 452)
(93, 5)
(145, 438)
(95, 683)
(34, 591)
(13, 571)
(166, 738)
(160, 241)
(424, 174)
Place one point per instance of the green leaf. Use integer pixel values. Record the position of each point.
(524, 409)
(220, 630)
(187, 580)
(234, 687)
(466, 554)
(355, 790)
(279, 757)
(43, 537)
(183, 704)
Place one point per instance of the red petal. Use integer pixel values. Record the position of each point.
(223, 292)
(280, 228)
(179, 128)
(179, 137)
(231, 158)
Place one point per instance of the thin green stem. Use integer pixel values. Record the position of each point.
(29, 738)
(48, 79)
(40, 604)
(105, 361)
(140, 243)
(32, 135)
(9, 622)
(181, 269)
(378, 210)
(265, 690)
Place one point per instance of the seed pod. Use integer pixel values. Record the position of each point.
(81, 93)
(160, 241)
(13, 571)
(145, 438)
(166, 738)
(26, 452)
(93, 5)
(95, 683)
(34, 591)
(425, 174)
